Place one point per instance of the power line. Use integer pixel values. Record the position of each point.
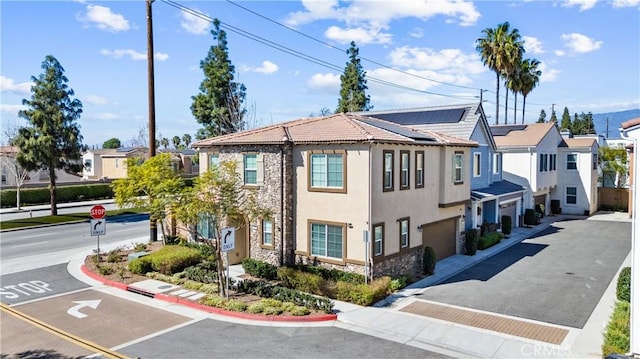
(310, 58)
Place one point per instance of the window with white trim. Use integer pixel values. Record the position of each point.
(404, 170)
(594, 160)
(250, 165)
(571, 195)
(326, 240)
(477, 171)
(572, 161)
(214, 160)
(419, 169)
(496, 163)
(458, 168)
(404, 232)
(378, 239)
(387, 169)
(267, 232)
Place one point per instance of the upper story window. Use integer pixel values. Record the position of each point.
(250, 164)
(378, 239)
(214, 160)
(594, 160)
(572, 161)
(327, 172)
(387, 167)
(477, 171)
(552, 161)
(419, 169)
(496, 163)
(404, 169)
(458, 168)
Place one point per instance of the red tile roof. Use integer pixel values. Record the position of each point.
(634, 122)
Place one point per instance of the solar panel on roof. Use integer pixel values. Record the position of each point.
(505, 129)
(420, 117)
(398, 130)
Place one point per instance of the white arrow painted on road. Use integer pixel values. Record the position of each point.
(75, 311)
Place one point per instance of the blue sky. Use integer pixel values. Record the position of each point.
(589, 52)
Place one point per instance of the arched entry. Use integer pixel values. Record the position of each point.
(240, 251)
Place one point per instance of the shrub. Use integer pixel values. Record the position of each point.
(256, 308)
(302, 281)
(260, 269)
(168, 260)
(364, 294)
(214, 301)
(333, 275)
(30, 196)
(428, 261)
(506, 225)
(113, 256)
(267, 290)
(623, 289)
(140, 247)
(204, 272)
(617, 334)
(471, 241)
(207, 252)
(399, 282)
(235, 306)
(530, 218)
(105, 270)
(299, 311)
(270, 310)
(540, 209)
(489, 239)
(555, 206)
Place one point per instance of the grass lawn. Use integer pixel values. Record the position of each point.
(64, 218)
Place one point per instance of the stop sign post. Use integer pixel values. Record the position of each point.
(97, 212)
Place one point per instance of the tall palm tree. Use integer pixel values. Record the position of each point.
(530, 76)
(499, 49)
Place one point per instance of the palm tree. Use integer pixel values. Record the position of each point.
(500, 48)
(186, 139)
(530, 76)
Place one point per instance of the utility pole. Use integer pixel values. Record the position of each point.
(607, 131)
(153, 229)
(481, 92)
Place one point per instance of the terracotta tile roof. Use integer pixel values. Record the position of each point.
(531, 135)
(9, 150)
(634, 122)
(579, 142)
(338, 128)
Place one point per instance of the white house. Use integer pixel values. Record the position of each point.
(578, 176)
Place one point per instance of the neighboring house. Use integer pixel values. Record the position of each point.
(109, 163)
(92, 164)
(491, 196)
(630, 130)
(530, 159)
(183, 161)
(332, 181)
(577, 188)
(33, 178)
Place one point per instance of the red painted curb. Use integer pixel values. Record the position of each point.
(206, 308)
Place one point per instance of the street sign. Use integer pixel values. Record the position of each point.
(228, 239)
(98, 227)
(97, 212)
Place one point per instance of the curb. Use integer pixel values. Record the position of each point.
(206, 308)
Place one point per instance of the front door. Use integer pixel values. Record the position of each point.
(239, 253)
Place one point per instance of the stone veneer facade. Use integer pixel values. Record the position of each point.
(410, 262)
(275, 194)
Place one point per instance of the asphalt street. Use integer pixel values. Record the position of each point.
(557, 276)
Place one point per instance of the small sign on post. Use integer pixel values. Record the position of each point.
(98, 224)
(227, 243)
(98, 211)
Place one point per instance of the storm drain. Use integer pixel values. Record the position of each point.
(519, 328)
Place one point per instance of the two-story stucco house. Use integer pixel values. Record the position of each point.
(109, 163)
(491, 196)
(348, 191)
(577, 188)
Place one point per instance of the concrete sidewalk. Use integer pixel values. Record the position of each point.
(394, 319)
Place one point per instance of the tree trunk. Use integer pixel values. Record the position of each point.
(222, 276)
(515, 107)
(53, 191)
(497, 97)
(18, 196)
(506, 102)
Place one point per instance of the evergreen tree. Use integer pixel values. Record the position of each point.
(353, 86)
(553, 118)
(52, 140)
(566, 119)
(543, 117)
(219, 107)
(112, 143)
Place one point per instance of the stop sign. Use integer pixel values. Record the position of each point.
(97, 212)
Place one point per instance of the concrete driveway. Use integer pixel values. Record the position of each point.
(557, 276)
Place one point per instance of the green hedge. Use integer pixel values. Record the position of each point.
(168, 260)
(489, 239)
(617, 334)
(267, 290)
(471, 241)
(34, 196)
(428, 261)
(260, 269)
(623, 289)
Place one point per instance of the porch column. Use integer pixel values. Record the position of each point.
(474, 214)
(497, 217)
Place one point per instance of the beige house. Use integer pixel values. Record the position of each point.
(109, 163)
(348, 191)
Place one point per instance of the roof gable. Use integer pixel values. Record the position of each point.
(528, 135)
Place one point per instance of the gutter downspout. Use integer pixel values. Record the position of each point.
(370, 236)
(282, 226)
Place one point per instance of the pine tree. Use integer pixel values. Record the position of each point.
(219, 107)
(52, 140)
(566, 119)
(543, 117)
(353, 86)
(553, 118)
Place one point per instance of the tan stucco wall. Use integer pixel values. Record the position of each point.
(114, 167)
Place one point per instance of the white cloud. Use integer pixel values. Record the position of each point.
(11, 109)
(359, 35)
(7, 85)
(323, 81)
(625, 3)
(267, 68)
(365, 17)
(95, 100)
(417, 33)
(194, 24)
(533, 45)
(104, 19)
(580, 43)
(446, 61)
(133, 54)
(583, 4)
(106, 116)
(548, 74)
(559, 53)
